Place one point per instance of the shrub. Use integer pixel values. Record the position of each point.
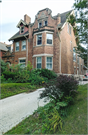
(8, 74)
(22, 77)
(29, 66)
(48, 73)
(60, 89)
(3, 66)
(2, 78)
(67, 84)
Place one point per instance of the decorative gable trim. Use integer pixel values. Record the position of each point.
(21, 21)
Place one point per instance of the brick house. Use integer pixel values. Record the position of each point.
(47, 43)
(3, 49)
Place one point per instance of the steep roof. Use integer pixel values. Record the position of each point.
(64, 16)
(18, 35)
(3, 47)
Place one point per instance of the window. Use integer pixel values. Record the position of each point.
(81, 68)
(24, 45)
(71, 45)
(69, 29)
(45, 23)
(17, 46)
(39, 39)
(49, 38)
(40, 24)
(78, 59)
(74, 55)
(22, 62)
(22, 29)
(39, 62)
(49, 62)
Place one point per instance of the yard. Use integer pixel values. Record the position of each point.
(75, 121)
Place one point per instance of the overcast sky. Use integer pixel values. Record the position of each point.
(11, 11)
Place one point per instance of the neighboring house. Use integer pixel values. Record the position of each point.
(10, 47)
(3, 49)
(49, 43)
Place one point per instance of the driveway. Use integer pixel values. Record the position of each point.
(16, 108)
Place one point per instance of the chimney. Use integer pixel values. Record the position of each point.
(27, 19)
(58, 18)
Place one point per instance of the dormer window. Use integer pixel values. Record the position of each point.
(45, 23)
(21, 29)
(40, 24)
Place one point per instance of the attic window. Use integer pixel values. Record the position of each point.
(22, 29)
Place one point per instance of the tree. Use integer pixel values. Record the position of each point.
(81, 11)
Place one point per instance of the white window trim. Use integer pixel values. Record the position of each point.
(15, 47)
(44, 54)
(46, 62)
(75, 55)
(22, 59)
(36, 40)
(21, 46)
(36, 62)
(46, 38)
(38, 24)
(43, 32)
(71, 46)
(44, 22)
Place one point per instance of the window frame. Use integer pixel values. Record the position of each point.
(41, 62)
(24, 58)
(21, 28)
(15, 47)
(37, 40)
(39, 23)
(73, 55)
(52, 38)
(23, 45)
(44, 23)
(49, 62)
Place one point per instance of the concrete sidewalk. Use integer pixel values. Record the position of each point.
(16, 108)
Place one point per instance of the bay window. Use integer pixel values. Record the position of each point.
(49, 63)
(39, 62)
(49, 38)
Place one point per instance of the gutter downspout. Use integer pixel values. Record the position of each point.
(26, 51)
(60, 48)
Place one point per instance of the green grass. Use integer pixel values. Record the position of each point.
(74, 123)
(10, 89)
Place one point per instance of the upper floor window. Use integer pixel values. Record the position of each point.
(49, 63)
(17, 46)
(49, 38)
(24, 45)
(22, 29)
(74, 54)
(39, 39)
(39, 62)
(78, 59)
(45, 23)
(40, 24)
(69, 28)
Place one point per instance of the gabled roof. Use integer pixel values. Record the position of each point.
(64, 16)
(3, 47)
(21, 21)
(18, 35)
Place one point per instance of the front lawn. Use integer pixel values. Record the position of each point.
(10, 89)
(74, 123)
